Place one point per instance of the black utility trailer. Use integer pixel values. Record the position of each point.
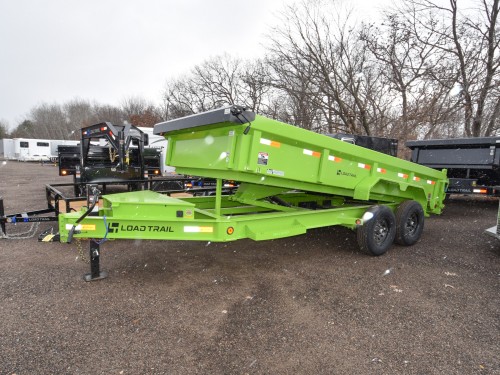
(110, 154)
(387, 146)
(473, 164)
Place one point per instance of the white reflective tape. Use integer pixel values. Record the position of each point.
(364, 166)
(265, 141)
(308, 152)
(70, 226)
(196, 229)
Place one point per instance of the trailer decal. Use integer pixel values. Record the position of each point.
(334, 158)
(312, 153)
(81, 227)
(364, 166)
(275, 172)
(263, 158)
(268, 142)
(197, 229)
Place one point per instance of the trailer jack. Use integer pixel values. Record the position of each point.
(95, 272)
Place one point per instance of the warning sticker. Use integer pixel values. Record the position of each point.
(275, 172)
(263, 158)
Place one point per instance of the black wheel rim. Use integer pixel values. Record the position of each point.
(380, 231)
(411, 224)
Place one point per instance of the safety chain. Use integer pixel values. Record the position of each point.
(112, 154)
(30, 233)
(81, 255)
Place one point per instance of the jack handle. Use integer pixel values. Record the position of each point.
(95, 193)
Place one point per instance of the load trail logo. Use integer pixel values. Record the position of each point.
(117, 227)
(347, 174)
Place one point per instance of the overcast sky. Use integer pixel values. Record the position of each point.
(108, 50)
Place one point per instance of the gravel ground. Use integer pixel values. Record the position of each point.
(312, 304)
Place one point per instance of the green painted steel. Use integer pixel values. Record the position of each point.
(274, 154)
(291, 179)
(150, 215)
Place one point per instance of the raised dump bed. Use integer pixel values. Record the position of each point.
(240, 145)
(291, 180)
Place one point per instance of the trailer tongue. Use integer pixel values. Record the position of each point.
(291, 180)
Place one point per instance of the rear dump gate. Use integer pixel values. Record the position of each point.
(290, 180)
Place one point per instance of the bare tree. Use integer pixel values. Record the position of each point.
(140, 112)
(469, 41)
(4, 129)
(217, 82)
(329, 65)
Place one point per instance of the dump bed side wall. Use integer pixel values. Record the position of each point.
(277, 154)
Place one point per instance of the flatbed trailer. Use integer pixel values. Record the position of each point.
(473, 164)
(291, 180)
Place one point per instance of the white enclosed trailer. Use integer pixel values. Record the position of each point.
(30, 149)
(7, 148)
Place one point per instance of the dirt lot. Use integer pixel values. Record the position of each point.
(311, 304)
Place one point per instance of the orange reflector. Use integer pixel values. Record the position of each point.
(480, 191)
(364, 166)
(230, 230)
(358, 221)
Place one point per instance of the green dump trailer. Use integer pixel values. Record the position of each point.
(290, 180)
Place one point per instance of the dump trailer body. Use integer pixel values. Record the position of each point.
(271, 153)
(291, 180)
(473, 164)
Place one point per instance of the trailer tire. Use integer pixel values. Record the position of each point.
(377, 233)
(409, 223)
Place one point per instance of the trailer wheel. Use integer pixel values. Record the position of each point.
(409, 223)
(377, 233)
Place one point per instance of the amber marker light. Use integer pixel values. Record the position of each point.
(230, 230)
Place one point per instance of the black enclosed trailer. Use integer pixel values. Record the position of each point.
(473, 164)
